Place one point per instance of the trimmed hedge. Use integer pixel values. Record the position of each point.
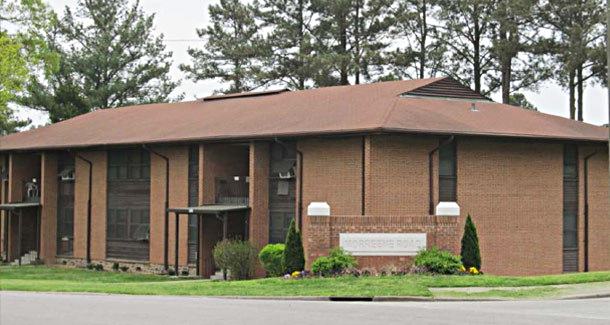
(438, 261)
(336, 262)
(271, 259)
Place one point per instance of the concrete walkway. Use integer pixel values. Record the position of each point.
(562, 291)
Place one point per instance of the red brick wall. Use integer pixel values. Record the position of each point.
(599, 220)
(98, 205)
(332, 170)
(513, 190)
(441, 232)
(48, 198)
(259, 197)
(399, 175)
(178, 197)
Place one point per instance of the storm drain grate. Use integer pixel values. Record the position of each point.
(350, 298)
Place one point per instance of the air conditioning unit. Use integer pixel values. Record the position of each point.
(67, 174)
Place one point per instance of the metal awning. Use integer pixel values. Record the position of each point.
(15, 209)
(209, 209)
(19, 205)
(220, 211)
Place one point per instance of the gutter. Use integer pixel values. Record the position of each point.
(431, 173)
(88, 204)
(586, 194)
(166, 234)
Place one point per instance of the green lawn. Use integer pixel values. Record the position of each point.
(60, 279)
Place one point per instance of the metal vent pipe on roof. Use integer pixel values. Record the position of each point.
(473, 107)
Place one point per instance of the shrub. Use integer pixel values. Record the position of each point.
(171, 272)
(336, 262)
(115, 266)
(237, 256)
(89, 266)
(471, 254)
(271, 259)
(185, 272)
(294, 258)
(124, 268)
(99, 267)
(438, 261)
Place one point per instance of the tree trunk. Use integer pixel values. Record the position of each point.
(357, 41)
(477, 56)
(580, 85)
(571, 89)
(301, 47)
(343, 41)
(422, 45)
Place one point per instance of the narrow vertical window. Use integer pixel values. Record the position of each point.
(447, 172)
(193, 198)
(570, 208)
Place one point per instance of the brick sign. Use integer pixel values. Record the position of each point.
(382, 244)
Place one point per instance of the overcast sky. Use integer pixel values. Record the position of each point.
(178, 19)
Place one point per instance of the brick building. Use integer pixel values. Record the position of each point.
(381, 169)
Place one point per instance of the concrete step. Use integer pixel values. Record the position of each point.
(219, 275)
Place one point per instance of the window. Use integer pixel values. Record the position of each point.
(447, 172)
(128, 224)
(193, 192)
(570, 197)
(128, 164)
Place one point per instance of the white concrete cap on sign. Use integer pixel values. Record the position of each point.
(447, 209)
(318, 209)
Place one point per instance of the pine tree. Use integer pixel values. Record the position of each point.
(234, 49)
(350, 39)
(294, 258)
(109, 57)
(423, 52)
(291, 41)
(471, 255)
(469, 25)
(577, 34)
(518, 49)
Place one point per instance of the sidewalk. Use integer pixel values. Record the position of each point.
(562, 291)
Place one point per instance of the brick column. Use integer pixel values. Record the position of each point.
(98, 205)
(48, 198)
(178, 197)
(259, 197)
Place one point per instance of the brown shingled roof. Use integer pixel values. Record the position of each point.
(373, 107)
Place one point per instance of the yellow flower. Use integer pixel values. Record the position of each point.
(462, 268)
(295, 274)
(473, 270)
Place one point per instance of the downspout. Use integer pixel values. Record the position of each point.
(88, 205)
(6, 213)
(166, 231)
(586, 194)
(431, 173)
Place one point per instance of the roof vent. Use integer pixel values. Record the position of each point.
(473, 107)
(241, 95)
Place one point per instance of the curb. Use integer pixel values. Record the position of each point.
(591, 296)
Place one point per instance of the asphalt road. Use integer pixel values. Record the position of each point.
(62, 309)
